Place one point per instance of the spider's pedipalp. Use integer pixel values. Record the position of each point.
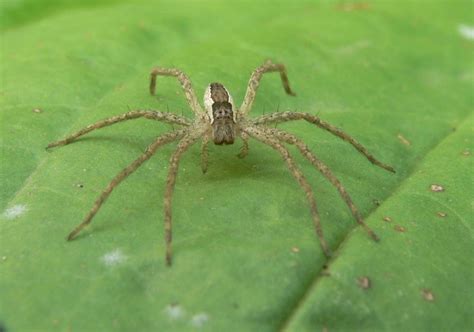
(148, 114)
(325, 171)
(205, 153)
(291, 116)
(254, 83)
(150, 151)
(183, 145)
(185, 84)
(244, 150)
(273, 142)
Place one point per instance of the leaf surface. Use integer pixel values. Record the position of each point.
(396, 76)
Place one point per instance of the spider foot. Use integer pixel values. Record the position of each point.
(71, 236)
(169, 259)
(242, 154)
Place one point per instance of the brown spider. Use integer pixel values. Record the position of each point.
(223, 123)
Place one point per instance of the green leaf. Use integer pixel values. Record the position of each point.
(395, 75)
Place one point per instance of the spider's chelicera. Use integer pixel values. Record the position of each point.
(221, 122)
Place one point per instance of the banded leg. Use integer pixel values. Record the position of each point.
(154, 115)
(151, 149)
(183, 145)
(326, 172)
(270, 140)
(244, 150)
(254, 83)
(185, 84)
(291, 116)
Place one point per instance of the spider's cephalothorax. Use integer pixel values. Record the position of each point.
(223, 123)
(219, 107)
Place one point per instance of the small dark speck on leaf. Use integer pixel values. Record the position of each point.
(325, 272)
(399, 228)
(80, 185)
(376, 202)
(427, 294)
(436, 188)
(441, 214)
(364, 282)
(387, 219)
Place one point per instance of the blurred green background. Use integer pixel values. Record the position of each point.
(396, 75)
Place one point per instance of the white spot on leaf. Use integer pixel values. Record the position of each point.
(15, 211)
(199, 320)
(467, 31)
(174, 311)
(113, 258)
(436, 188)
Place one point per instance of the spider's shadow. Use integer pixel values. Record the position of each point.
(226, 165)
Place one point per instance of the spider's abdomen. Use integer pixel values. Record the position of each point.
(219, 107)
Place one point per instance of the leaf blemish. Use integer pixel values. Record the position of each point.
(364, 282)
(441, 214)
(295, 250)
(174, 311)
(15, 211)
(199, 320)
(113, 258)
(403, 140)
(37, 110)
(387, 219)
(427, 294)
(399, 228)
(436, 188)
(467, 31)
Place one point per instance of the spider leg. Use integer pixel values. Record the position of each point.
(290, 116)
(185, 84)
(324, 170)
(154, 115)
(254, 83)
(272, 141)
(183, 145)
(151, 149)
(244, 150)
(205, 153)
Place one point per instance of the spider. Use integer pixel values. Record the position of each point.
(221, 122)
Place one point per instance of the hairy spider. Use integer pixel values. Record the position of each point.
(221, 122)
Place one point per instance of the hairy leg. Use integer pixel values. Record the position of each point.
(306, 152)
(290, 116)
(270, 140)
(151, 149)
(154, 115)
(185, 84)
(254, 83)
(183, 145)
